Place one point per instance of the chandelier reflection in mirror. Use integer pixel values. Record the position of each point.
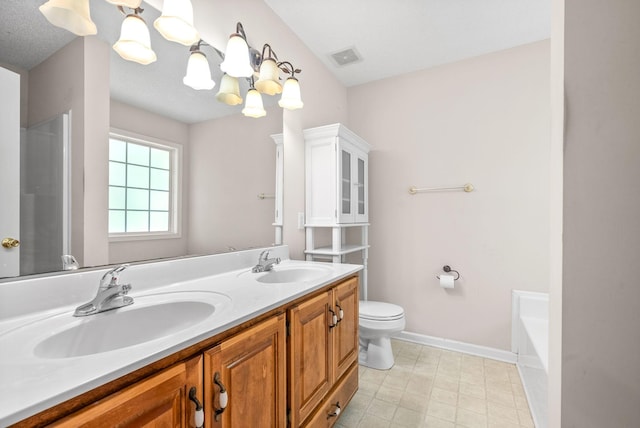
(240, 60)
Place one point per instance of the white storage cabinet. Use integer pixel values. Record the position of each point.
(336, 172)
(337, 193)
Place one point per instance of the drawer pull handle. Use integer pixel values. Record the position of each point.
(199, 414)
(334, 319)
(336, 412)
(340, 313)
(223, 399)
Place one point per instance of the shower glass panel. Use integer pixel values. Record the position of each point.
(44, 196)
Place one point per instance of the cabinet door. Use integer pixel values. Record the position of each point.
(251, 368)
(310, 354)
(161, 400)
(345, 351)
(321, 176)
(353, 189)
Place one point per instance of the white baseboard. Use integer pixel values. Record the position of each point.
(453, 345)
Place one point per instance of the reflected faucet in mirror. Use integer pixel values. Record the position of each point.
(69, 262)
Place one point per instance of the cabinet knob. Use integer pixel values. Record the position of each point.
(223, 399)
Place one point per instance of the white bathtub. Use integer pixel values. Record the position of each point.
(530, 342)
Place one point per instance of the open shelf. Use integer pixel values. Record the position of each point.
(337, 225)
(328, 251)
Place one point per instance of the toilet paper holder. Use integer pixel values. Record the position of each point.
(448, 269)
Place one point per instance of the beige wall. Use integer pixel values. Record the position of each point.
(231, 161)
(485, 121)
(146, 124)
(554, 389)
(601, 294)
(76, 78)
(96, 152)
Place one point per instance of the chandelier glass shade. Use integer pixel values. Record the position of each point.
(291, 99)
(229, 92)
(269, 81)
(134, 43)
(198, 72)
(236, 57)
(72, 15)
(176, 22)
(253, 107)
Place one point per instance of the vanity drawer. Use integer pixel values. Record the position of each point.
(341, 395)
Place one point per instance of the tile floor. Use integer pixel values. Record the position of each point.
(431, 387)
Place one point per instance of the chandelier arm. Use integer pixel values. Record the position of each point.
(240, 31)
(138, 10)
(287, 67)
(272, 53)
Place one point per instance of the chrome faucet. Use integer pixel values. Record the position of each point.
(111, 295)
(265, 264)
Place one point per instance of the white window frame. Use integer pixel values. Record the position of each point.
(175, 187)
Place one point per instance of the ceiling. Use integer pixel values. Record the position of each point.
(394, 37)
(390, 37)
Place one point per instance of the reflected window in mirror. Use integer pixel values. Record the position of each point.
(143, 176)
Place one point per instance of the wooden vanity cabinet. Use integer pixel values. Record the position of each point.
(323, 347)
(251, 368)
(161, 400)
(274, 375)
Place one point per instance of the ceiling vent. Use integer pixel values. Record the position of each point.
(346, 57)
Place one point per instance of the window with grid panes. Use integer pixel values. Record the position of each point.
(140, 187)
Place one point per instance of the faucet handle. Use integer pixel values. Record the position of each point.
(112, 275)
(120, 268)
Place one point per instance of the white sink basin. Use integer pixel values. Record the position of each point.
(290, 274)
(150, 317)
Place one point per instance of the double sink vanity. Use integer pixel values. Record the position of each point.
(214, 340)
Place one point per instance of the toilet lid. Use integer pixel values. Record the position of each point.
(380, 311)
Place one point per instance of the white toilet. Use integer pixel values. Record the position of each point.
(378, 322)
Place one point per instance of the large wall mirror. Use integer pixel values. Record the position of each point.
(80, 88)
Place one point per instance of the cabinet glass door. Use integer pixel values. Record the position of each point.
(361, 199)
(346, 183)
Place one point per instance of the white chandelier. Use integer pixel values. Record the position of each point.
(175, 24)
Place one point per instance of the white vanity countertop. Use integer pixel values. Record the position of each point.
(30, 384)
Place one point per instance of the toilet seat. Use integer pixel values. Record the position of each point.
(380, 311)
